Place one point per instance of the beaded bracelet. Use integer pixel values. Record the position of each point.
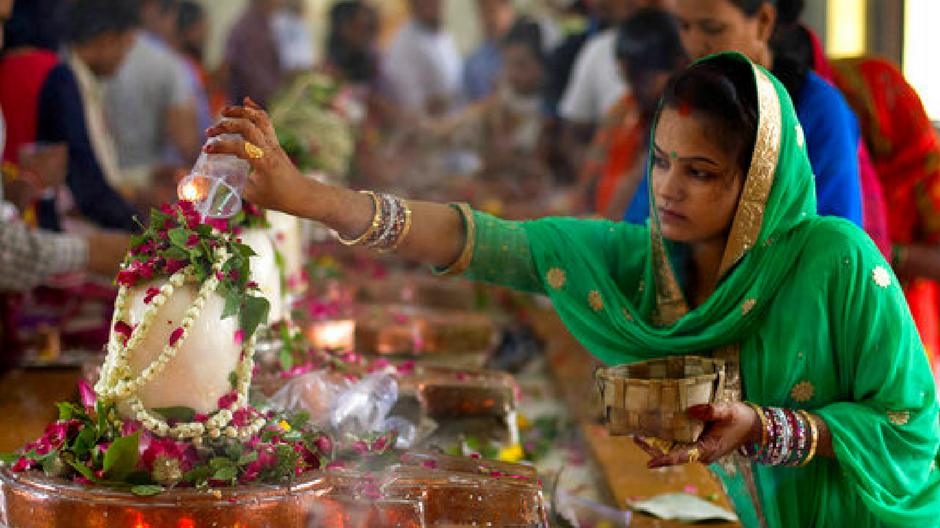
(782, 440)
(373, 227)
(763, 422)
(814, 433)
(400, 227)
(788, 438)
(391, 222)
(387, 206)
(404, 231)
(801, 446)
(797, 437)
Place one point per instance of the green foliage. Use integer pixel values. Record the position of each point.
(146, 490)
(175, 235)
(180, 414)
(121, 456)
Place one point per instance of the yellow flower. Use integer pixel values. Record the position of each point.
(522, 422)
(513, 453)
(284, 425)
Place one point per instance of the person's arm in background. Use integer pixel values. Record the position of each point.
(62, 119)
(29, 256)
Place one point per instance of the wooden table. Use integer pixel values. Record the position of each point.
(623, 463)
(27, 402)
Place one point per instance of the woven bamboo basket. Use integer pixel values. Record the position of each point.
(650, 398)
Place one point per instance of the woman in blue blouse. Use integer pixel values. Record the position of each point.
(832, 131)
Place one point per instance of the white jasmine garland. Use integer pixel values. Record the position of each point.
(116, 383)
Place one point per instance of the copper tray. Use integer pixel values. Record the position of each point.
(428, 490)
(407, 330)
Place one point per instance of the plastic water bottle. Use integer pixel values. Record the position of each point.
(363, 407)
(216, 182)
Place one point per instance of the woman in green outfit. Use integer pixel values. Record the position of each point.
(735, 263)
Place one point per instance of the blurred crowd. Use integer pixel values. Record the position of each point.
(105, 103)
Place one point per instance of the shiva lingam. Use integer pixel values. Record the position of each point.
(169, 438)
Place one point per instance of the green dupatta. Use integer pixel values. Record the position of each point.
(817, 316)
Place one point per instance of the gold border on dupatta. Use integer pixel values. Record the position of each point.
(745, 231)
(749, 217)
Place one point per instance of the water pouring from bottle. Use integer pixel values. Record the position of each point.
(215, 184)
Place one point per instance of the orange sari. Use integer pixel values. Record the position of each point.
(619, 139)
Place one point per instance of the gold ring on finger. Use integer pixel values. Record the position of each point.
(694, 455)
(253, 151)
(663, 445)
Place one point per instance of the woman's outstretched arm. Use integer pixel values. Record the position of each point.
(437, 235)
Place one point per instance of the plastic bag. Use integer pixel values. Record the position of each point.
(363, 407)
(315, 393)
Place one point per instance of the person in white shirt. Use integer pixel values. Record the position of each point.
(150, 103)
(423, 67)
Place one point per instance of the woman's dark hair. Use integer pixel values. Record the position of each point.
(722, 92)
(528, 34)
(358, 65)
(36, 23)
(188, 14)
(788, 11)
(649, 41)
(88, 19)
(792, 57)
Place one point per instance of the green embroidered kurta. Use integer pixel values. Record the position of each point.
(818, 316)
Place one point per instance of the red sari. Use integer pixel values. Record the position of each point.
(22, 75)
(906, 152)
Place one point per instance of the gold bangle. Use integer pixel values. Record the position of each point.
(763, 422)
(466, 256)
(376, 220)
(814, 431)
(404, 230)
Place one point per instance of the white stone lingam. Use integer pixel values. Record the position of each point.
(170, 347)
(199, 374)
(286, 233)
(265, 271)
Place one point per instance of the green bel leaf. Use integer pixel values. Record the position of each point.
(121, 456)
(182, 414)
(83, 469)
(84, 442)
(146, 490)
(70, 411)
(176, 253)
(178, 237)
(254, 311)
(225, 473)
